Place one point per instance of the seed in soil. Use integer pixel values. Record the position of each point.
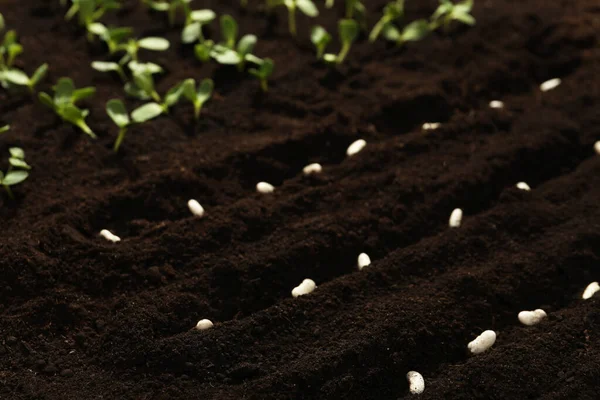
(204, 324)
(590, 290)
(106, 234)
(455, 218)
(363, 261)
(482, 342)
(550, 84)
(307, 286)
(196, 208)
(597, 147)
(416, 383)
(532, 317)
(496, 104)
(356, 147)
(314, 168)
(264, 187)
(431, 126)
(523, 186)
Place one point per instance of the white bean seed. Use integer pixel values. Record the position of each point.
(482, 342)
(550, 84)
(307, 286)
(455, 218)
(312, 169)
(106, 234)
(597, 147)
(532, 317)
(356, 147)
(496, 104)
(430, 126)
(523, 186)
(363, 261)
(416, 383)
(204, 324)
(196, 208)
(590, 290)
(264, 187)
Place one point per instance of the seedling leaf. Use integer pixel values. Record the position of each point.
(4, 128)
(16, 77)
(203, 16)
(308, 7)
(348, 30)
(63, 91)
(76, 116)
(205, 90)
(46, 100)
(154, 43)
(191, 33)
(414, 31)
(117, 112)
(146, 112)
(83, 93)
(14, 177)
(38, 75)
(320, 38)
(18, 163)
(229, 30)
(17, 152)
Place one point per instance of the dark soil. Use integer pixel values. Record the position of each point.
(82, 318)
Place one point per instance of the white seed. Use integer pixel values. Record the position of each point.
(455, 218)
(416, 383)
(106, 234)
(590, 290)
(264, 187)
(312, 169)
(307, 286)
(496, 104)
(431, 126)
(356, 147)
(597, 147)
(482, 342)
(196, 208)
(204, 324)
(523, 186)
(363, 261)
(550, 84)
(532, 317)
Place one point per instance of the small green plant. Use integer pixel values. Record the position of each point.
(320, 38)
(4, 129)
(348, 32)
(143, 88)
(63, 103)
(412, 32)
(90, 11)
(171, 7)
(113, 37)
(133, 46)
(118, 113)
(448, 11)
(192, 32)
(356, 9)
(109, 66)
(307, 7)
(392, 11)
(200, 96)
(263, 71)
(17, 170)
(9, 75)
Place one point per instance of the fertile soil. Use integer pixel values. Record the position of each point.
(83, 318)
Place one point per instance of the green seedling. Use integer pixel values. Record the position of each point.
(200, 96)
(392, 11)
(90, 11)
(115, 38)
(348, 32)
(320, 38)
(412, 32)
(447, 12)
(263, 71)
(118, 113)
(4, 129)
(17, 170)
(109, 66)
(142, 88)
(193, 31)
(133, 46)
(63, 103)
(171, 7)
(329, 3)
(307, 7)
(9, 75)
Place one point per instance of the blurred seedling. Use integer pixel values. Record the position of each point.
(347, 31)
(200, 96)
(143, 88)
(90, 11)
(17, 170)
(171, 7)
(412, 32)
(320, 38)
(392, 12)
(263, 71)
(118, 113)
(448, 11)
(192, 32)
(63, 103)
(307, 7)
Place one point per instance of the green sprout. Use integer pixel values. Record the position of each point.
(143, 88)
(348, 32)
(118, 113)
(4, 129)
(109, 66)
(447, 12)
(17, 170)
(63, 103)
(355, 9)
(200, 96)
(412, 32)
(192, 32)
(132, 47)
(320, 38)
(392, 11)
(171, 7)
(262, 72)
(90, 11)
(307, 7)
(10, 76)
(113, 37)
